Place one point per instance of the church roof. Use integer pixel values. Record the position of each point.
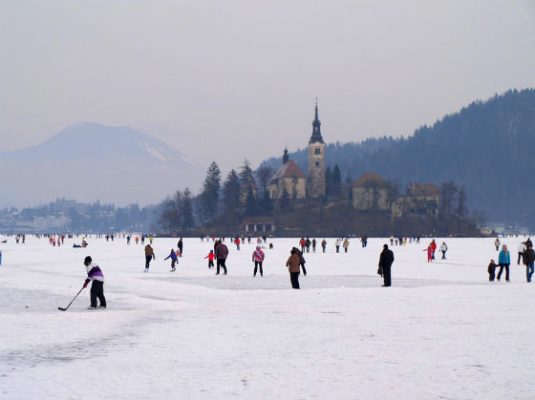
(370, 179)
(424, 190)
(289, 170)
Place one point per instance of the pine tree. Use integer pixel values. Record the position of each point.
(247, 181)
(336, 181)
(231, 193)
(186, 206)
(328, 181)
(209, 197)
(251, 207)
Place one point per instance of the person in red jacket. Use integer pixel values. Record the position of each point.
(210, 257)
(434, 248)
(429, 253)
(237, 242)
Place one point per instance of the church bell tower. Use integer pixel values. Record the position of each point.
(316, 160)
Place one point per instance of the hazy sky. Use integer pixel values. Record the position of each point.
(231, 79)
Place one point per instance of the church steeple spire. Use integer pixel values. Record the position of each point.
(316, 128)
(285, 157)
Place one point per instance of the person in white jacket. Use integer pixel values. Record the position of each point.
(521, 250)
(443, 249)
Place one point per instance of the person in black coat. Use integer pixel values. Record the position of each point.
(180, 246)
(385, 264)
(529, 260)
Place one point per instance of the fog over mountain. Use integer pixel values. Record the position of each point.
(89, 162)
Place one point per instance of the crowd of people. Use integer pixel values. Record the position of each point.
(296, 260)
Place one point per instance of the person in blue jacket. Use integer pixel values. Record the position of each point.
(173, 258)
(504, 260)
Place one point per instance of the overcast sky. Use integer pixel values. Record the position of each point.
(224, 80)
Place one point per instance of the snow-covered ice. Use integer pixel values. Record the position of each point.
(441, 332)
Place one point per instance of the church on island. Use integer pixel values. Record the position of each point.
(291, 182)
(369, 203)
(370, 192)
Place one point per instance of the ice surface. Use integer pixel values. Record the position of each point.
(441, 332)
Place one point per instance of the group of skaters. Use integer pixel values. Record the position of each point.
(526, 256)
(432, 248)
(173, 254)
(296, 261)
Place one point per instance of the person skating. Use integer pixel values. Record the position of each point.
(521, 249)
(443, 249)
(210, 257)
(301, 260)
(237, 242)
(429, 253)
(258, 259)
(323, 245)
(346, 244)
(149, 256)
(221, 253)
(293, 264)
(172, 255)
(491, 269)
(504, 260)
(180, 246)
(302, 244)
(95, 275)
(314, 245)
(386, 259)
(529, 260)
(497, 244)
(337, 245)
(434, 247)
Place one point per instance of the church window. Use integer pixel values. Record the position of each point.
(317, 151)
(317, 164)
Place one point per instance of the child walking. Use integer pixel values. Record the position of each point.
(210, 257)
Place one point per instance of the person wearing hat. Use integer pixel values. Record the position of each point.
(386, 259)
(95, 275)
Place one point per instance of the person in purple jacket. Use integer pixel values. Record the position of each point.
(95, 275)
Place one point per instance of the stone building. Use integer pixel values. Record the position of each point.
(422, 199)
(289, 178)
(371, 192)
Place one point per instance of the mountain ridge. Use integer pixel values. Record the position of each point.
(96, 162)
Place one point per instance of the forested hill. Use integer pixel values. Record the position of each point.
(488, 147)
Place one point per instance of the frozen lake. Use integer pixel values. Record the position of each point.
(441, 332)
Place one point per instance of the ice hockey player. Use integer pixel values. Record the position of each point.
(95, 275)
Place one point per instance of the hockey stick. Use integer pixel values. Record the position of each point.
(77, 294)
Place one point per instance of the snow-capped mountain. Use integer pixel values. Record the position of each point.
(89, 162)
